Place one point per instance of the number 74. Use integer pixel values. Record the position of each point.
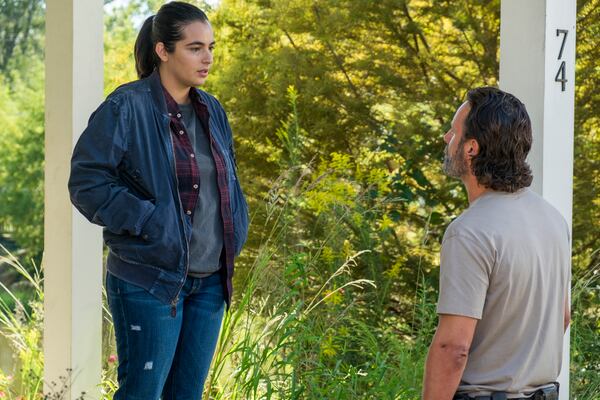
(561, 74)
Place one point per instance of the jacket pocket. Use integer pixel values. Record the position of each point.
(158, 245)
(133, 181)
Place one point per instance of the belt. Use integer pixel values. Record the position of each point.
(550, 393)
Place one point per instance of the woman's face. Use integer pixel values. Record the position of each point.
(192, 58)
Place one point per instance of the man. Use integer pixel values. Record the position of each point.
(505, 265)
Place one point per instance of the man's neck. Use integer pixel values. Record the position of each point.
(474, 189)
(180, 93)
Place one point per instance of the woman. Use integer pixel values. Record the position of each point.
(155, 167)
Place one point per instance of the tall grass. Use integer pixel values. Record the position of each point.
(22, 324)
(319, 313)
(585, 331)
(297, 330)
(291, 345)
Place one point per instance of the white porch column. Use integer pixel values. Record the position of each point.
(537, 64)
(73, 246)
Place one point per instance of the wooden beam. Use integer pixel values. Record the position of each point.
(73, 247)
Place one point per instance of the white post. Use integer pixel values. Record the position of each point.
(537, 64)
(72, 246)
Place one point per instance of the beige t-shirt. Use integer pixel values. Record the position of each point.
(506, 261)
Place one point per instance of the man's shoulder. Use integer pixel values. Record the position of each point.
(480, 219)
(499, 213)
(544, 211)
(470, 223)
(545, 206)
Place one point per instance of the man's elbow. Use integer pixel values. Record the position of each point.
(567, 319)
(456, 354)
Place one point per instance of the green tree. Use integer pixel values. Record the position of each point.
(22, 162)
(21, 32)
(377, 85)
(585, 366)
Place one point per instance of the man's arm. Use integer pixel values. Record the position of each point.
(567, 316)
(447, 356)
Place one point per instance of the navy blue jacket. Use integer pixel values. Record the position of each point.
(123, 178)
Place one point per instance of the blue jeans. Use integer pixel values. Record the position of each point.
(161, 354)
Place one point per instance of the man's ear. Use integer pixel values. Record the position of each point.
(161, 51)
(471, 148)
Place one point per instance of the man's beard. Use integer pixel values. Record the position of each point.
(456, 165)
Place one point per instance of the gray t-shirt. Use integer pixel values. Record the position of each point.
(207, 234)
(506, 261)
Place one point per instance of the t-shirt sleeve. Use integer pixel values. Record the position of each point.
(465, 267)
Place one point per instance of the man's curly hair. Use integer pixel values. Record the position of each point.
(500, 124)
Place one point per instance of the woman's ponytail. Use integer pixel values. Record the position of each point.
(145, 56)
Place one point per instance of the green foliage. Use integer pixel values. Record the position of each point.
(22, 326)
(119, 36)
(585, 359)
(391, 81)
(585, 328)
(314, 319)
(338, 108)
(298, 330)
(21, 32)
(22, 162)
(586, 188)
(373, 102)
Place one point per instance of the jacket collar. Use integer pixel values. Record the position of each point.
(161, 98)
(156, 90)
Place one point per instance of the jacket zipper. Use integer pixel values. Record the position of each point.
(187, 251)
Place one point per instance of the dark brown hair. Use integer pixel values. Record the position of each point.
(499, 122)
(167, 27)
